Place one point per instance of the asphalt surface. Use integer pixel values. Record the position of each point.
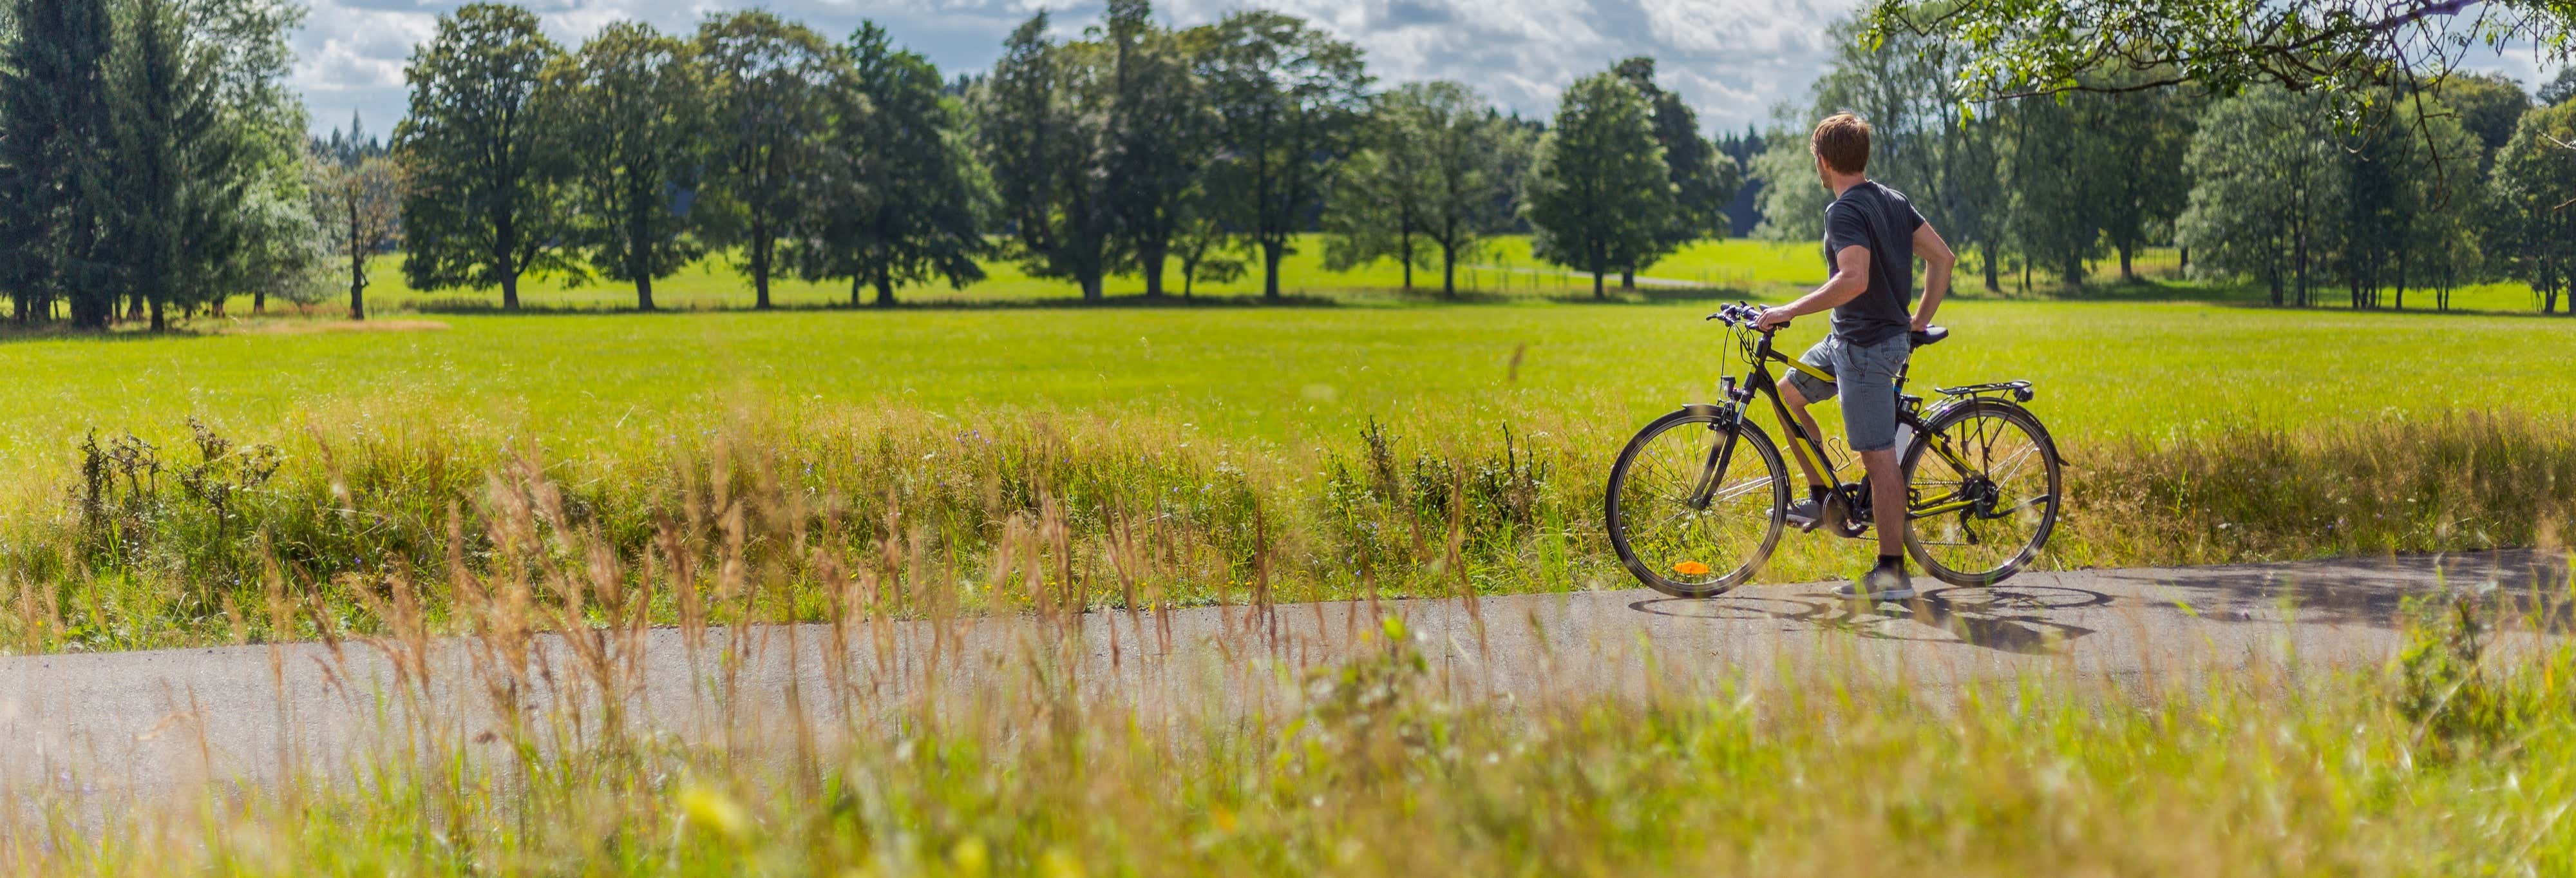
(145, 721)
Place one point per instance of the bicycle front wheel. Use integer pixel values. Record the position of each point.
(1694, 504)
(1994, 473)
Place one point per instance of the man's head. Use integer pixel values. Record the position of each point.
(1841, 147)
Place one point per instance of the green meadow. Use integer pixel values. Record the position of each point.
(1346, 442)
(599, 383)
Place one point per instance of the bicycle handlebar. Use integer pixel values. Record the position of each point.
(1740, 314)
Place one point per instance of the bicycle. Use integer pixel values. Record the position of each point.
(1983, 480)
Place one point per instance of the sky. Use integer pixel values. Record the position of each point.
(1731, 59)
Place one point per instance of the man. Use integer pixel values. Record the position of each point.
(1872, 236)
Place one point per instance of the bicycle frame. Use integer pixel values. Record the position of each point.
(1809, 450)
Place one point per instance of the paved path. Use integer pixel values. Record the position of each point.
(146, 720)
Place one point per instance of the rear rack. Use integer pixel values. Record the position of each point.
(2020, 390)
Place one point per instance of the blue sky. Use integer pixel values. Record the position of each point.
(1732, 59)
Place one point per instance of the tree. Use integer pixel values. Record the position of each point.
(54, 142)
(2535, 183)
(1287, 98)
(1046, 149)
(483, 208)
(1203, 246)
(2487, 104)
(2139, 139)
(364, 197)
(2059, 175)
(2341, 47)
(635, 101)
(1381, 195)
(1601, 188)
(772, 83)
(2559, 90)
(1433, 169)
(1157, 138)
(2267, 193)
(175, 205)
(1704, 181)
(916, 208)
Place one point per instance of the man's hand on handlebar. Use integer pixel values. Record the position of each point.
(1771, 319)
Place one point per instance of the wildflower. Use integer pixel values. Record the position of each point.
(1691, 568)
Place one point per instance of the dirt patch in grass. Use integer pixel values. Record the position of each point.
(309, 327)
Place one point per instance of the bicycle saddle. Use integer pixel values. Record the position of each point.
(1931, 336)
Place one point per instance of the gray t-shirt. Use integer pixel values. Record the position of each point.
(1879, 218)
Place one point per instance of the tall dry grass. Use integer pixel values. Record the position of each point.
(152, 546)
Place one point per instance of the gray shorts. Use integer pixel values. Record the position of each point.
(1868, 372)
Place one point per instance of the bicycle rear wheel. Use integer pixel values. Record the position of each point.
(1694, 504)
(2004, 466)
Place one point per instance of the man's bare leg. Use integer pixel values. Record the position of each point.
(1886, 499)
(1797, 403)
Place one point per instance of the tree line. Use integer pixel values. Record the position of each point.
(161, 163)
(153, 162)
(1135, 149)
(2428, 186)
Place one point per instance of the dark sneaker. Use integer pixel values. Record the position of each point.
(1807, 514)
(1880, 584)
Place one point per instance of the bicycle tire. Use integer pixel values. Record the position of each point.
(2052, 471)
(1752, 445)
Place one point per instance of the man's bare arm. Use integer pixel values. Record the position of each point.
(1851, 278)
(1937, 262)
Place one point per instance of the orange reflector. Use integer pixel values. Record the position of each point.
(1691, 568)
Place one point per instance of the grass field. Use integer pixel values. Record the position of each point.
(611, 384)
(1501, 269)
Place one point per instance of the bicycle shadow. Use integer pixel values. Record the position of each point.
(2006, 618)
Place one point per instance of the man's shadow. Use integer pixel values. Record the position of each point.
(2004, 618)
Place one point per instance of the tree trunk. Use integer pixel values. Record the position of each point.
(1404, 251)
(157, 323)
(258, 301)
(1628, 279)
(2186, 258)
(1270, 256)
(760, 256)
(885, 288)
(858, 282)
(1150, 257)
(357, 282)
(1091, 287)
(1993, 284)
(1448, 271)
(2128, 274)
(644, 290)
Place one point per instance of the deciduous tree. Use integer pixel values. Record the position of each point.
(484, 206)
(1601, 188)
(1046, 144)
(916, 201)
(2535, 180)
(772, 87)
(364, 198)
(1288, 97)
(2267, 194)
(1159, 135)
(633, 102)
